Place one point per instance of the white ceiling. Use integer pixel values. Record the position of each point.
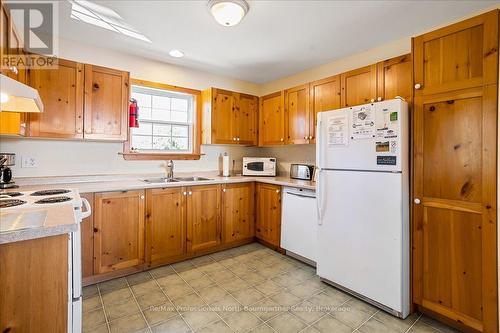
(274, 40)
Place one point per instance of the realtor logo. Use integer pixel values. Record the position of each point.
(35, 24)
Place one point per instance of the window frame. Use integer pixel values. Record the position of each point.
(195, 154)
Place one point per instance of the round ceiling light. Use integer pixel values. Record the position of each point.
(176, 53)
(228, 12)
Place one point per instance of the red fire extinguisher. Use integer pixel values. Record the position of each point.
(133, 113)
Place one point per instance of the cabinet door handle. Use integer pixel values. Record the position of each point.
(418, 86)
(223, 190)
(277, 191)
(14, 70)
(234, 139)
(310, 137)
(417, 201)
(379, 99)
(190, 193)
(142, 197)
(184, 193)
(282, 140)
(372, 100)
(238, 139)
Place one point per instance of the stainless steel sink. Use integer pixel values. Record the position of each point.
(191, 179)
(159, 180)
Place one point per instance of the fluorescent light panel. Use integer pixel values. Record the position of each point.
(103, 17)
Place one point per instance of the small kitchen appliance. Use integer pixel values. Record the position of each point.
(7, 160)
(302, 171)
(259, 166)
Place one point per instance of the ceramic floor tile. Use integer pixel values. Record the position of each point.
(286, 280)
(128, 324)
(162, 271)
(111, 285)
(98, 329)
(145, 287)
(242, 321)
(286, 323)
(212, 294)
(91, 303)
(213, 267)
(190, 302)
(183, 266)
(177, 290)
(269, 287)
(235, 284)
(170, 280)
(328, 324)
(326, 300)
(305, 289)
(176, 324)
(307, 312)
(337, 296)
(200, 319)
(152, 298)
(262, 329)
(437, 325)
(252, 278)
(375, 326)
(221, 276)
(138, 278)
(266, 309)
(394, 323)
(160, 313)
(202, 261)
(286, 298)
(90, 291)
(192, 274)
(216, 327)
(421, 327)
(226, 306)
(248, 296)
(310, 329)
(116, 296)
(350, 316)
(93, 318)
(201, 282)
(121, 308)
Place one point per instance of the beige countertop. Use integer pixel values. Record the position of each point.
(106, 183)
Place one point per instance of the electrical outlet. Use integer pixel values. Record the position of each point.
(29, 162)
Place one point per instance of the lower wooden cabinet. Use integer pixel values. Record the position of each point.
(165, 224)
(118, 230)
(87, 231)
(268, 222)
(238, 212)
(34, 285)
(203, 217)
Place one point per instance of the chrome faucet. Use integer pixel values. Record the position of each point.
(169, 168)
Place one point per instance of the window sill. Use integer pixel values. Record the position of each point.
(159, 156)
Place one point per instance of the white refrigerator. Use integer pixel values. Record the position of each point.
(362, 199)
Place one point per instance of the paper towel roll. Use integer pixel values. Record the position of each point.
(225, 165)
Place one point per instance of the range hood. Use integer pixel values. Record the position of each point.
(18, 97)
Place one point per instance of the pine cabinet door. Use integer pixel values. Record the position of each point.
(106, 103)
(246, 119)
(203, 217)
(359, 86)
(324, 96)
(119, 230)
(165, 224)
(297, 114)
(272, 120)
(238, 216)
(268, 223)
(224, 124)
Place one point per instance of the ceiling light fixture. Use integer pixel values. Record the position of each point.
(176, 53)
(228, 12)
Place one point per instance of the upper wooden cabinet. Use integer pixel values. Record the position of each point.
(268, 221)
(203, 217)
(238, 212)
(119, 230)
(324, 96)
(165, 224)
(394, 77)
(272, 119)
(359, 86)
(229, 117)
(460, 56)
(106, 103)
(61, 90)
(297, 115)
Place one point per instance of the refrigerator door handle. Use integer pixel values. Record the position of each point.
(319, 197)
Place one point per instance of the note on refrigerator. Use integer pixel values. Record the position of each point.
(363, 122)
(338, 130)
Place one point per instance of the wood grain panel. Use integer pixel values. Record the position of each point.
(224, 126)
(268, 210)
(166, 224)
(34, 285)
(297, 114)
(394, 77)
(238, 212)
(119, 230)
(324, 96)
(272, 120)
(359, 86)
(246, 118)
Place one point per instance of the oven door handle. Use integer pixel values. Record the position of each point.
(88, 209)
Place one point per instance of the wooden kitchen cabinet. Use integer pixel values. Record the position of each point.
(268, 208)
(106, 103)
(394, 77)
(87, 232)
(119, 230)
(359, 86)
(272, 119)
(238, 212)
(165, 224)
(324, 96)
(34, 285)
(229, 117)
(297, 115)
(61, 90)
(454, 229)
(203, 217)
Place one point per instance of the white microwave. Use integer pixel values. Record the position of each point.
(259, 166)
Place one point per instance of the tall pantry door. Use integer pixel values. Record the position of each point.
(455, 173)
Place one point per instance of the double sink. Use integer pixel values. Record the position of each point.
(161, 180)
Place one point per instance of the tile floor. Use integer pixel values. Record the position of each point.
(246, 289)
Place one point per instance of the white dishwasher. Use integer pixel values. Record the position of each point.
(299, 223)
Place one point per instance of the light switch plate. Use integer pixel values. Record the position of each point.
(29, 162)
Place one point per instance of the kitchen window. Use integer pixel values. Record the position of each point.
(168, 122)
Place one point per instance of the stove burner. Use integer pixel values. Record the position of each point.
(11, 203)
(52, 200)
(49, 192)
(11, 194)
